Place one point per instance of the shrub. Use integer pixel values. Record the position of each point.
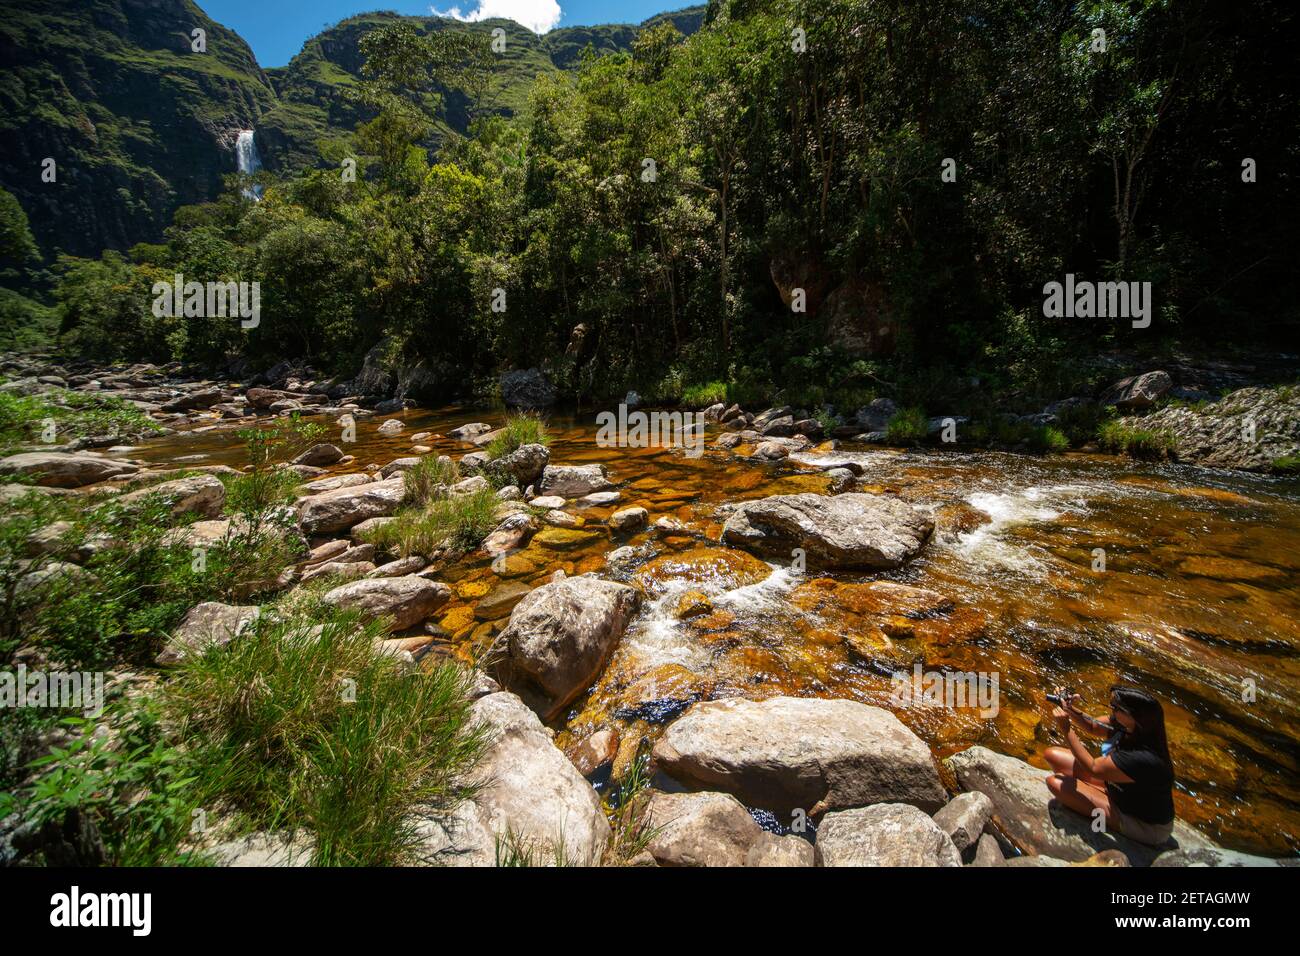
(1287, 464)
(292, 728)
(908, 426)
(704, 394)
(456, 522)
(1049, 439)
(428, 478)
(525, 428)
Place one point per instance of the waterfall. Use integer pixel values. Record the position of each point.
(249, 161)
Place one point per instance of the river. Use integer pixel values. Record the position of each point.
(1197, 601)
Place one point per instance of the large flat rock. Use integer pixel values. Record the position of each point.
(788, 753)
(850, 531)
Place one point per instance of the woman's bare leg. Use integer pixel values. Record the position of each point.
(1082, 798)
(1062, 761)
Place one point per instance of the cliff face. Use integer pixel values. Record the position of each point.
(139, 124)
(136, 122)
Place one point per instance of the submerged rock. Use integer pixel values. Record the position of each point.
(854, 530)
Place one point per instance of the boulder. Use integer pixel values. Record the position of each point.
(848, 531)
(210, 624)
(1138, 391)
(521, 467)
(559, 637)
(512, 533)
(263, 849)
(320, 456)
(55, 469)
(595, 751)
(964, 818)
(572, 481)
(530, 798)
(786, 753)
(340, 509)
(1035, 823)
(987, 852)
(527, 388)
(469, 431)
(887, 834)
(700, 829)
(391, 427)
(408, 600)
(772, 850)
(858, 319)
(629, 520)
(202, 495)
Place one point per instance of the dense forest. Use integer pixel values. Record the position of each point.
(822, 197)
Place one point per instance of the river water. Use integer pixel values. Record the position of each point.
(1197, 601)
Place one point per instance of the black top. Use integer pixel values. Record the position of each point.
(1150, 797)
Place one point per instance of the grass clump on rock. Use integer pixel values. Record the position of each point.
(297, 725)
(907, 427)
(1121, 439)
(526, 428)
(454, 522)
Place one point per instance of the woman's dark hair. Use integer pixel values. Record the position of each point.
(1149, 716)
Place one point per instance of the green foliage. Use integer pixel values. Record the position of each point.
(1123, 439)
(454, 522)
(24, 418)
(429, 478)
(137, 790)
(908, 427)
(1287, 464)
(525, 428)
(300, 724)
(1048, 439)
(704, 394)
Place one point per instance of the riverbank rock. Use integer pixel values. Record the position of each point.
(1216, 856)
(572, 481)
(210, 624)
(202, 495)
(700, 829)
(263, 849)
(527, 388)
(408, 600)
(850, 531)
(1220, 435)
(559, 637)
(887, 834)
(530, 798)
(340, 509)
(1027, 815)
(786, 754)
(1138, 391)
(964, 817)
(54, 469)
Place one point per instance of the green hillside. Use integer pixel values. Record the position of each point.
(136, 122)
(139, 125)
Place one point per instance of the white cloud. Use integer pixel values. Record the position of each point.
(539, 16)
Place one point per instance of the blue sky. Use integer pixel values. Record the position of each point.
(276, 29)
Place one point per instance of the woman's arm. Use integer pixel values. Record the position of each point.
(1101, 767)
(1092, 726)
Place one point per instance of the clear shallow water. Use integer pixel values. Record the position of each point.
(1199, 598)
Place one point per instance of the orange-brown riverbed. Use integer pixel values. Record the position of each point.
(1198, 601)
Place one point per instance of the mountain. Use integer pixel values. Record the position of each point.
(136, 122)
(313, 106)
(139, 124)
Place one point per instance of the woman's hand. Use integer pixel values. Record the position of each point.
(1062, 718)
